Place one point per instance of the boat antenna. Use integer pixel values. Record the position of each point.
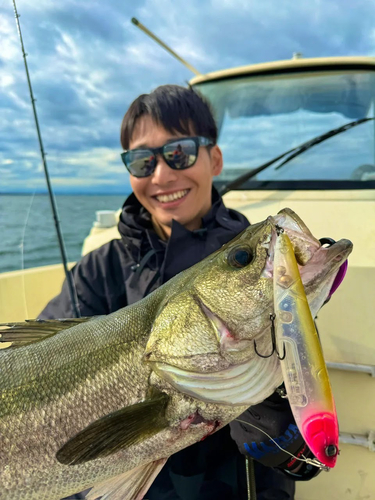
(69, 279)
(165, 46)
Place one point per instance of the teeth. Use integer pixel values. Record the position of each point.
(164, 198)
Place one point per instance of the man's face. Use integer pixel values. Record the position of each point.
(183, 195)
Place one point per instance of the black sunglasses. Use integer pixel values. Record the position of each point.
(178, 154)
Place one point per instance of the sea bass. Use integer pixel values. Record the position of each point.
(104, 402)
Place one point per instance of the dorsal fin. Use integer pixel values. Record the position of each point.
(35, 330)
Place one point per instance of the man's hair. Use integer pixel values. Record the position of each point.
(177, 109)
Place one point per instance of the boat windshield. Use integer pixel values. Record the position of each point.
(262, 117)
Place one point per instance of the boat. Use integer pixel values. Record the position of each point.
(297, 133)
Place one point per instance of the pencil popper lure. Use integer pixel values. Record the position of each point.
(304, 370)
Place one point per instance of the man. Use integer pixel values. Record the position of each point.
(172, 220)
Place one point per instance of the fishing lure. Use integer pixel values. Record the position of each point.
(303, 366)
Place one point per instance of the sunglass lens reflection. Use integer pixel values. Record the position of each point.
(181, 154)
(141, 163)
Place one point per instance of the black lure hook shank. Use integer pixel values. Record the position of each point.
(273, 339)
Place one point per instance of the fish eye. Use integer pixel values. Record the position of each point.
(240, 257)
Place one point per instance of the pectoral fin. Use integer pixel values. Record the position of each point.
(132, 485)
(116, 431)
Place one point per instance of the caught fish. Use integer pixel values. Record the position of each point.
(102, 403)
(304, 370)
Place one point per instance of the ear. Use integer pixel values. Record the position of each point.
(216, 160)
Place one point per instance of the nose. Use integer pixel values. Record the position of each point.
(163, 174)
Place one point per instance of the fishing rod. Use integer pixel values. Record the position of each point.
(68, 275)
(164, 45)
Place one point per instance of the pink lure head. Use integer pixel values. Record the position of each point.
(321, 433)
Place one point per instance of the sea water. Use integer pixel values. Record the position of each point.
(27, 229)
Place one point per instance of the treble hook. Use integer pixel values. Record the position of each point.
(273, 338)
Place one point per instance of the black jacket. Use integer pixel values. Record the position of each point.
(125, 270)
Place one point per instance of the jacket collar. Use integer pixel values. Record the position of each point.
(138, 234)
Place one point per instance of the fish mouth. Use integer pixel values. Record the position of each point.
(318, 265)
(243, 384)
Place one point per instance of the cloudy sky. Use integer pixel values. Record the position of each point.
(87, 62)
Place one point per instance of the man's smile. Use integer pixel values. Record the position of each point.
(167, 198)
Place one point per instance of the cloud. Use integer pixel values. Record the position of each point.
(87, 63)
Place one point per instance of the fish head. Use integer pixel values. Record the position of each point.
(221, 300)
(213, 312)
(318, 265)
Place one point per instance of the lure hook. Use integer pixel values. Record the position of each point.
(273, 338)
